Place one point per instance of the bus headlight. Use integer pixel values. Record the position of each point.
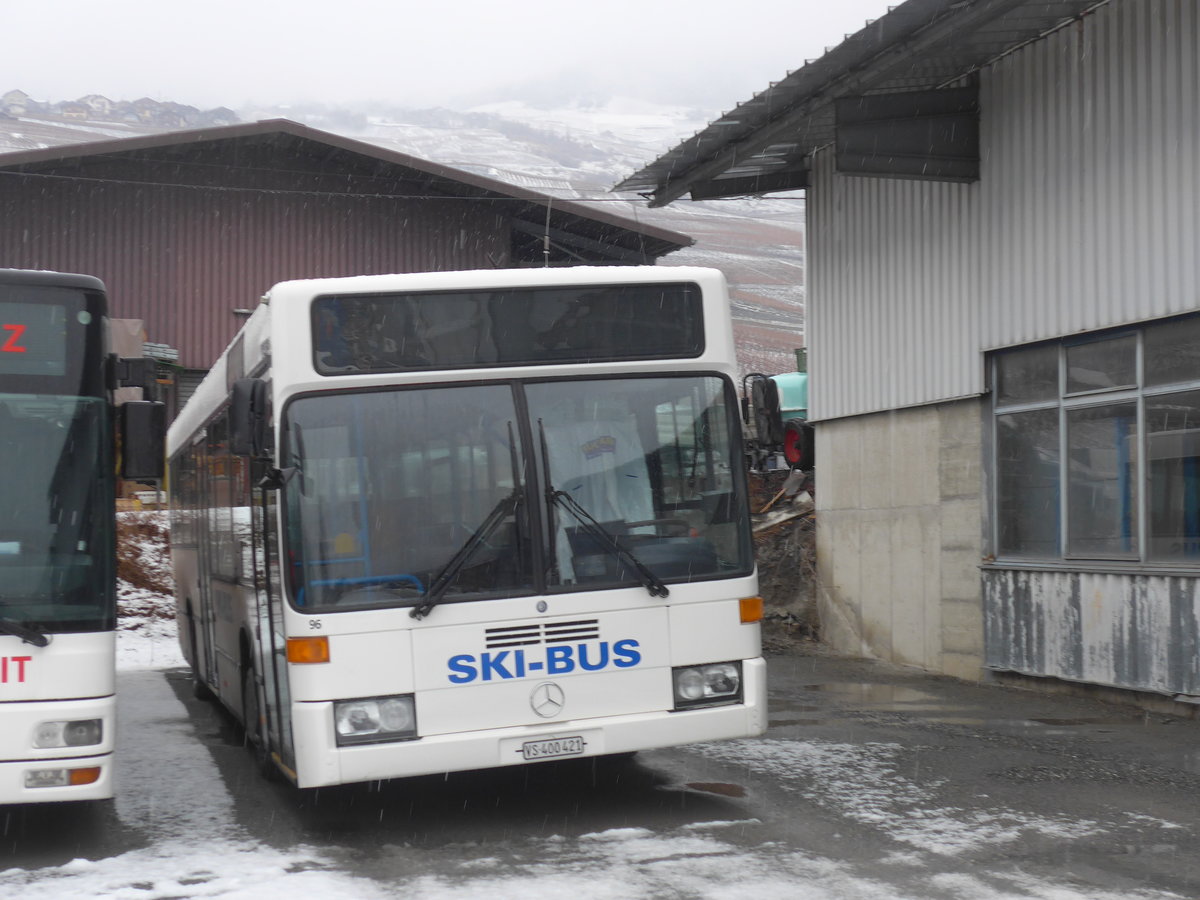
(375, 719)
(79, 733)
(707, 685)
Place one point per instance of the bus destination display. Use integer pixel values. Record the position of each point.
(506, 327)
(33, 339)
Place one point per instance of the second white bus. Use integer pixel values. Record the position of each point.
(60, 432)
(447, 521)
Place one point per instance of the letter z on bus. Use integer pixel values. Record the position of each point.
(562, 659)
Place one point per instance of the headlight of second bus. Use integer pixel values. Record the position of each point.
(375, 719)
(707, 685)
(78, 733)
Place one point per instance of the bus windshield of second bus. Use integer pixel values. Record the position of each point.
(57, 569)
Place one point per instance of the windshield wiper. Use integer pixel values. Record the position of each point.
(24, 632)
(651, 582)
(442, 581)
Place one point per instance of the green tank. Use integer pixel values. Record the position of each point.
(793, 394)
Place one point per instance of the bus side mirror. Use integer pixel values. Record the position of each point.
(143, 427)
(248, 418)
(138, 371)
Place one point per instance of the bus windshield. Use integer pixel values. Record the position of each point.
(56, 538)
(475, 491)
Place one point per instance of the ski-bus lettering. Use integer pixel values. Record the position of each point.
(559, 660)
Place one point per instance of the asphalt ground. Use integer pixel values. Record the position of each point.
(983, 777)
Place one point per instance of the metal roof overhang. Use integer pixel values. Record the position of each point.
(236, 157)
(764, 145)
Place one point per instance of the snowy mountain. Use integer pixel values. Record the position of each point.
(573, 151)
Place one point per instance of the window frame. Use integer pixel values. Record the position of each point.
(1143, 558)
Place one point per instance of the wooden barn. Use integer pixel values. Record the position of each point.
(189, 228)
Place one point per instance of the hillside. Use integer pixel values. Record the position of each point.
(577, 153)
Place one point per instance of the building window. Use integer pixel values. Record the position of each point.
(1096, 447)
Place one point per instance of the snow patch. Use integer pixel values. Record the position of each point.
(200, 868)
(863, 783)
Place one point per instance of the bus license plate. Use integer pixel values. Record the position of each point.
(567, 746)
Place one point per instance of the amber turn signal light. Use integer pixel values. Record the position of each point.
(751, 609)
(308, 649)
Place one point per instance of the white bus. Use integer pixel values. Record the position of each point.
(57, 559)
(446, 521)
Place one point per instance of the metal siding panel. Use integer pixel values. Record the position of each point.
(1087, 216)
(181, 259)
(1114, 178)
(1140, 632)
(890, 317)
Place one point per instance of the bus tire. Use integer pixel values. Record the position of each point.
(200, 689)
(252, 730)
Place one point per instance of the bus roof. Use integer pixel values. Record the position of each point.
(251, 347)
(488, 278)
(48, 279)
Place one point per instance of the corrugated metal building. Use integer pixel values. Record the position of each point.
(1004, 266)
(187, 228)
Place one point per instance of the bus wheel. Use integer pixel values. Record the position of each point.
(252, 724)
(200, 690)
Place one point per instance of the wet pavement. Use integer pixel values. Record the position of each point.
(980, 780)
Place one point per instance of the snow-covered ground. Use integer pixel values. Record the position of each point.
(146, 635)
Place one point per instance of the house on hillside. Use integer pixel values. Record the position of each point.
(100, 106)
(124, 111)
(1004, 330)
(219, 115)
(73, 110)
(178, 115)
(189, 228)
(15, 103)
(147, 109)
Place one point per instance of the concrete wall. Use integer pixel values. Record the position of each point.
(899, 536)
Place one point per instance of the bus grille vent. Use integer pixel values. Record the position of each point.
(553, 633)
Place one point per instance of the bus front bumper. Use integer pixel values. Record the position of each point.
(57, 780)
(52, 774)
(320, 762)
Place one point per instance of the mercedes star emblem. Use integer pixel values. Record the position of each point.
(547, 700)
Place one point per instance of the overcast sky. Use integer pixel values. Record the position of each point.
(455, 53)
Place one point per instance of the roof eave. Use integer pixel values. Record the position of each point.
(865, 61)
(487, 186)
